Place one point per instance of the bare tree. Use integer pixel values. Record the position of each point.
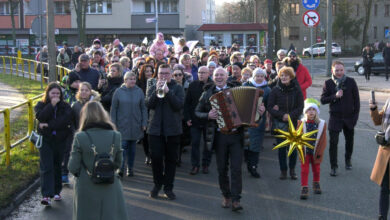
(81, 7)
(367, 4)
(13, 6)
(241, 11)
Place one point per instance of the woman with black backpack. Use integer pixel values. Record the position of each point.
(94, 161)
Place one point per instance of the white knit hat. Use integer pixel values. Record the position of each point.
(312, 103)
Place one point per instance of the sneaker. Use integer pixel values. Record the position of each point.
(154, 192)
(194, 170)
(293, 175)
(333, 172)
(130, 172)
(236, 206)
(57, 198)
(283, 175)
(65, 179)
(304, 192)
(316, 188)
(348, 165)
(205, 169)
(170, 195)
(46, 201)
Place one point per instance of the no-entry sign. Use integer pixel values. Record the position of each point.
(311, 18)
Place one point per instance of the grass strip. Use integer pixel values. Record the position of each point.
(24, 166)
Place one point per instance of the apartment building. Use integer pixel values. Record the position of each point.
(294, 31)
(109, 19)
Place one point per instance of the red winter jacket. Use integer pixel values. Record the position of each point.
(304, 78)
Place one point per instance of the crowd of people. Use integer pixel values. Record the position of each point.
(117, 96)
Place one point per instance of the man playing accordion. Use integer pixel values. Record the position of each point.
(228, 145)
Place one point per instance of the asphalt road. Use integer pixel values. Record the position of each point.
(351, 195)
(319, 64)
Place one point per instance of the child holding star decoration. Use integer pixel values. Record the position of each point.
(310, 142)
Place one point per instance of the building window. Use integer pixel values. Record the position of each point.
(99, 7)
(357, 10)
(62, 8)
(5, 8)
(293, 33)
(375, 10)
(375, 32)
(387, 7)
(148, 7)
(294, 8)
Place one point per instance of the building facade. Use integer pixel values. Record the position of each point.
(108, 19)
(293, 31)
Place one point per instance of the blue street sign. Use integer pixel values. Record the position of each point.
(310, 4)
(387, 33)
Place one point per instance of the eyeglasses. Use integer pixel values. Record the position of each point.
(203, 72)
(292, 56)
(178, 74)
(95, 66)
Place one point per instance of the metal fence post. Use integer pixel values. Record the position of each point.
(7, 137)
(11, 65)
(30, 121)
(35, 71)
(4, 66)
(17, 66)
(29, 69)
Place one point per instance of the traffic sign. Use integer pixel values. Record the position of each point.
(387, 33)
(310, 4)
(311, 18)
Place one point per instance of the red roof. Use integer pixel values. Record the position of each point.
(233, 27)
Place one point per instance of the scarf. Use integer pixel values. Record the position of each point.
(251, 80)
(386, 120)
(339, 81)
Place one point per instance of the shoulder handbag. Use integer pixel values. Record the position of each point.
(36, 138)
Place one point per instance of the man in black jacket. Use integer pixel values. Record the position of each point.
(386, 59)
(164, 130)
(87, 74)
(342, 95)
(229, 150)
(197, 126)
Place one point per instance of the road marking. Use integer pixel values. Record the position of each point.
(321, 208)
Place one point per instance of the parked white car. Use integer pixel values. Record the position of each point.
(319, 49)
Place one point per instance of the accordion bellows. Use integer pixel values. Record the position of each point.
(237, 107)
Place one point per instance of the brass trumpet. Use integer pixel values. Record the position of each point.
(160, 89)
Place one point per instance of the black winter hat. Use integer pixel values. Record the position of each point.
(73, 76)
(292, 53)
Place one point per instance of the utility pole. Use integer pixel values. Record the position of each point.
(271, 31)
(329, 39)
(156, 9)
(51, 40)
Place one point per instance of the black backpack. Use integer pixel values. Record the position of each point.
(103, 166)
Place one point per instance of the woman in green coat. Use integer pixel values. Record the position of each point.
(90, 200)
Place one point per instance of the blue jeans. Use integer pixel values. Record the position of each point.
(196, 134)
(128, 147)
(282, 153)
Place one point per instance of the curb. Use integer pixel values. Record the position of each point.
(20, 197)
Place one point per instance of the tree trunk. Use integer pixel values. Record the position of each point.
(11, 5)
(278, 35)
(367, 6)
(84, 16)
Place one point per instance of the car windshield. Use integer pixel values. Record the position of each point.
(335, 45)
(378, 56)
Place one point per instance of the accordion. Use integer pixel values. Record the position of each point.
(237, 107)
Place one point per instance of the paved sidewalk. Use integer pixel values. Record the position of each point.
(376, 83)
(9, 97)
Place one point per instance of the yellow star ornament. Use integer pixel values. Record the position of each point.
(296, 139)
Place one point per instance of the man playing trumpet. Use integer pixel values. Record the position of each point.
(165, 100)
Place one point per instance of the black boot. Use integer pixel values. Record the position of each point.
(254, 173)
